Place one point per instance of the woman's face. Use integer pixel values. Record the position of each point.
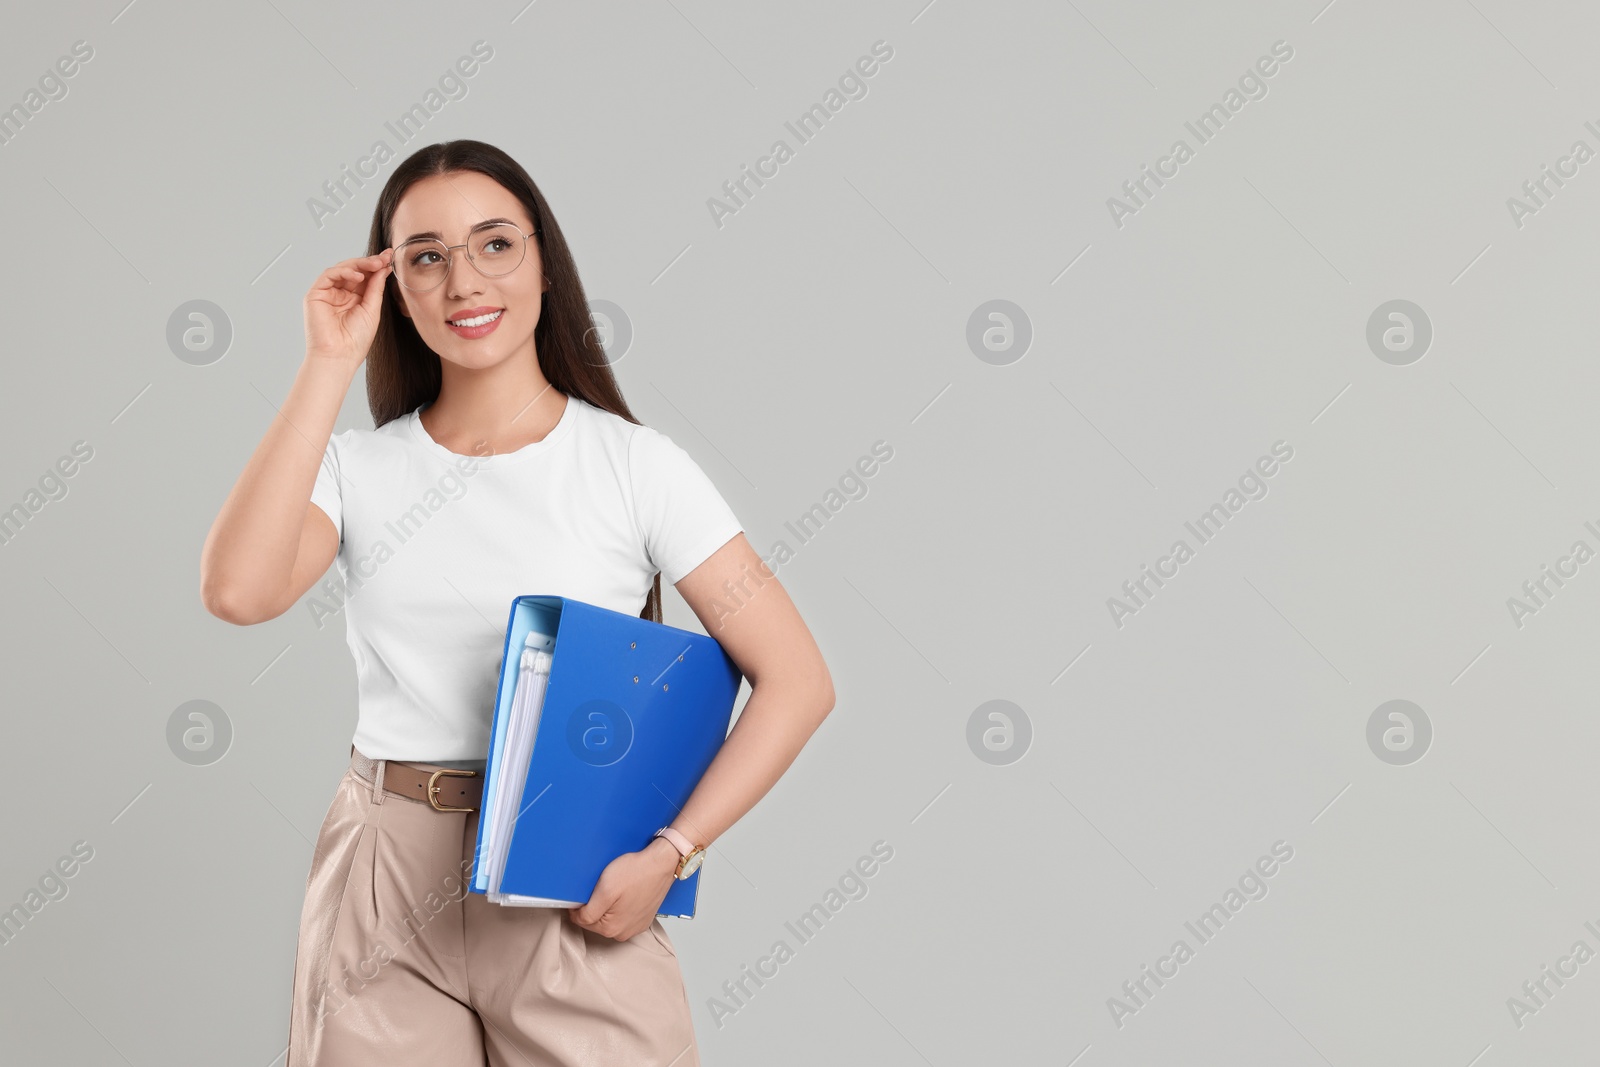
(450, 206)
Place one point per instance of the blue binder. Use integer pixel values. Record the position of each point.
(633, 713)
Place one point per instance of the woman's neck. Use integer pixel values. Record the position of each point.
(502, 421)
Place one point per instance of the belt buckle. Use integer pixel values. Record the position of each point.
(433, 787)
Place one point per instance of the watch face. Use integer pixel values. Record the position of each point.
(692, 863)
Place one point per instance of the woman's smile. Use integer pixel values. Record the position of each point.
(476, 322)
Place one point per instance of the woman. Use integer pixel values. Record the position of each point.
(503, 461)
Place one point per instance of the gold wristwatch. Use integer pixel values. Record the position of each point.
(690, 853)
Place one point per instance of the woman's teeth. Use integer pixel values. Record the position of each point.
(478, 320)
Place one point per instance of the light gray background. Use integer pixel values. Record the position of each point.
(1228, 314)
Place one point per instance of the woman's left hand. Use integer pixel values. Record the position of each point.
(630, 891)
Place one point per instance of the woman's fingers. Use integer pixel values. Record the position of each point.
(351, 274)
(363, 264)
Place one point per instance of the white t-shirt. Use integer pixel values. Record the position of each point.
(435, 545)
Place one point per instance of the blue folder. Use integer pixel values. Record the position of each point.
(634, 711)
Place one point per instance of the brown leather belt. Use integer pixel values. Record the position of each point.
(442, 788)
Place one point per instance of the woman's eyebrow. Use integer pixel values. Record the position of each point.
(486, 222)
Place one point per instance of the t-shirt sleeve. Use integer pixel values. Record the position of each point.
(681, 516)
(325, 493)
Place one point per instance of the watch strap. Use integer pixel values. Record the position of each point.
(677, 840)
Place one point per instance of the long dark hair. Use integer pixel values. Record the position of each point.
(403, 373)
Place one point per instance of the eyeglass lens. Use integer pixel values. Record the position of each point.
(494, 250)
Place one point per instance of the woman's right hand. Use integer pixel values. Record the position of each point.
(342, 308)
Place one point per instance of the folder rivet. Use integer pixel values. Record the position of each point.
(633, 644)
(663, 687)
(680, 659)
(636, 679)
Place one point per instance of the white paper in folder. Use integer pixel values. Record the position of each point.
(502, 807)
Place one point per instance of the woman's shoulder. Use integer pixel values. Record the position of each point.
(617, 431)
(358, 440)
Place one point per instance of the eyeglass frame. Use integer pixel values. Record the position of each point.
(450, 261)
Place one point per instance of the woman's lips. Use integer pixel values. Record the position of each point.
(471, 332)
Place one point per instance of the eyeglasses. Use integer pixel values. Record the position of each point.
(494, 250)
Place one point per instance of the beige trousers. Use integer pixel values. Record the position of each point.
(398, 964)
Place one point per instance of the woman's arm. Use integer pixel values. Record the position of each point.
(268, 544)
(791, 693)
